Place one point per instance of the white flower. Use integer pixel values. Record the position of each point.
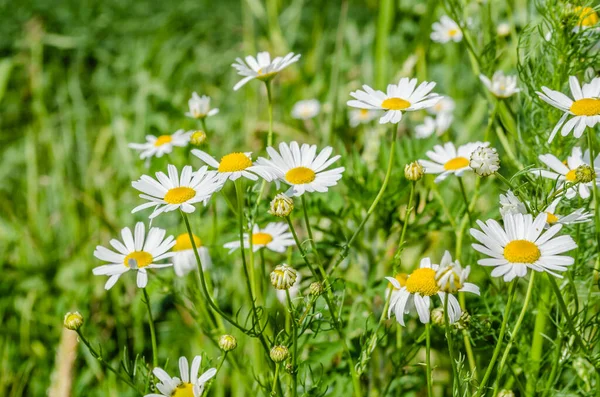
(405, 96)
(451, 278)
(438, 125)
(200, 107)
(444, 105)
(585, 107)
(362, 116)
(446, 30)
(501, 86)
(522, 244)
(293, 290)
(503, 29)
(567, 172)
(261, 67)
(447, 160)
(187, 385)
(136, 253)
(301, 168)
(168, 193)
(231, 166)
(184, 260)
(164, 144)
(306, 109)
(485, 161)
(275, 237)
(510, 204)
(577, 216)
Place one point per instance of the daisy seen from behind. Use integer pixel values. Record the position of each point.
(522, 244)
(231, 166)
(168, 193)
(161, 145)
(500, 86)
(445, 30)
(189, 384)
(261, 67)
(275, 237)
(402, 97)
(200, 107)
(448, 160)
(184, 259)
(136, 252)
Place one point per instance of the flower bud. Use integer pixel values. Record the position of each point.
(506, 393)
(283, 277)
(316, 288)
(413, 171)
(463, 322)
(584, 174)
(279, 353)
(281, 205)
(484, 161)
(198, 138)
(437, 316)
(73, 321)
(227, 343)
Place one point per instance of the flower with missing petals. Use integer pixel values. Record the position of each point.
(283, 277)
(200, 107)
(261, 67)
(484, 161)
(500, 86)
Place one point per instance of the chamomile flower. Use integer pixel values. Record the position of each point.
(159, 146)
(448, 160)
(585, 107)
(184, 260)
(588, 18)
(522, 244)
(301, 168)
(261, 67)
(168, 193)
(189, 384)
(500, 86)
(578, 216)
(438, 125)
(510, 204)
(402, 97)
(306, 109)
(451, 278)
(137, 252)
(444, 105)
(362, 116)
(446, 30)
(275, 237)
(200, 107)
(231, 166)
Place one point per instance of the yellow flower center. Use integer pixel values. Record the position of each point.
(587, 16)
(161, 140)
(179, 195)
(300, 175)
(183, 242)
(422, 281)
(261, 238)
(184, 390)
(395, 104)
(141, 258)
(586, 107)
(456, 163)
(364, 112)
(551, 218)
(571, 176)
(401, 278)
(234, 162)
(452, 32)
(521, 251)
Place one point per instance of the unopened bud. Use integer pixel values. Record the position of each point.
(198, 138)
(227, 343)
(413, 171)
(437, 316)
(506, 393)
(281, 205)
(316, 288)
(584, 174)
(283, 277)
(279, 353)
(73, 321)
(463, 322)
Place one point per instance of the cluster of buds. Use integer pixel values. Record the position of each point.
(281, 206)
(283, 277)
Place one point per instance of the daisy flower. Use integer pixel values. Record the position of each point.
(168, 193)
(231, 166)
(577, 216)
(362, 116)
(588, 18)
(448, 160)
(184, 259)
(187, 385)
(261, 67)
(164, 144)
(451, 278)
(585, 107)
(567, 172)
(444, 105)
(522, 244)
(200, 107)
(306, 109)
(274, 236)
(301, 168)
(405, 96)
(510, 204)
(446, 30)
(438, 125)
(137, 252)
(500, 86)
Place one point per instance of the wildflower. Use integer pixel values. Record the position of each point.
(510, 204)
(484, 161)
(399, 98)
(281, 206)
(413, 171)
(362, 116)
(73, 321)
(184, 260)
(446, 30)
(445, 105)
(503, 29)
(227, 343)
(187, 385)
(522, 244)
(164, 144)
(293, 290)
(279, 353)
(585, 107)
(500, 86)
(438, 125)
(577, 216)
(301, 168)
(232, 166)
(168, 193)
(448, 160)
(283, 277)
(451, 278)
(274, 236)
(588, 17)
(200, 107)
(137, 252)
(198, 138)
(307, 109)
(261, 67)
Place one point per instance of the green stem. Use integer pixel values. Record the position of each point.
(537, 344)
(294, 345)
(404, 227)
(455, 379)
(275, 379)
(590, 139)
(270, 99)
(218, 370)
(563, 307)
(486, 135)
(428, 359)
(203, 121)
(152, 330)
(464, 194)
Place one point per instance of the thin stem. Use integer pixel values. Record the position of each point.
(275, 378)
(464, 194)
(312, 241)
(152, 330)
(565, 310)
(218, 370)
(203, 121)
(428, 359)
(590, 139)
(455, 379)
(270, 99)
(486, 135)
(409, 209)
(294, 345)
